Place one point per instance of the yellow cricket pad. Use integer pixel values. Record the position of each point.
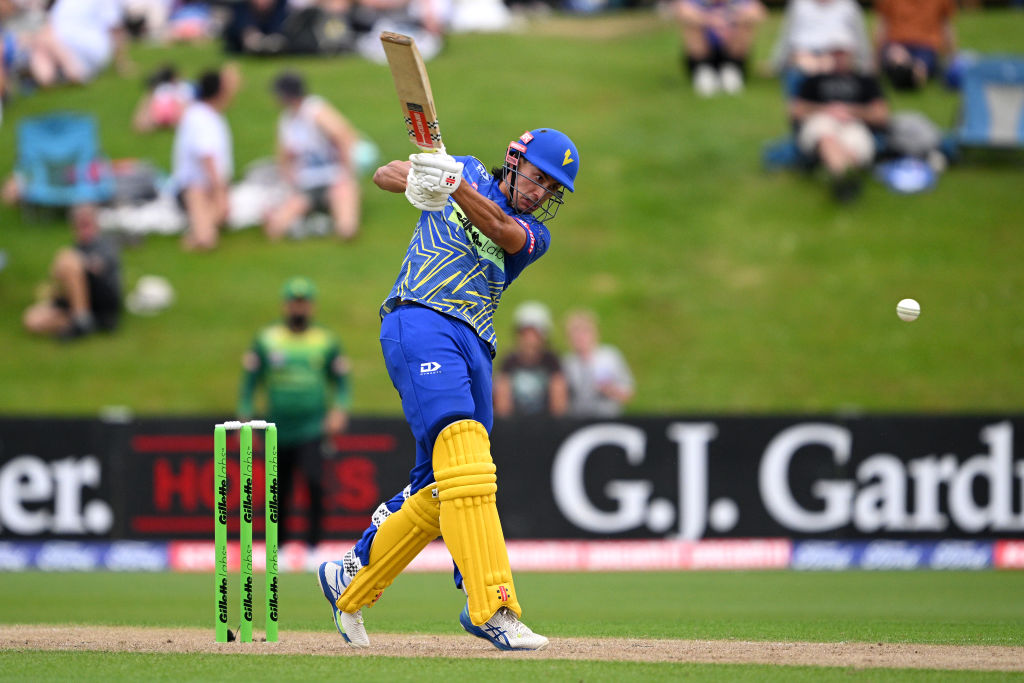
(466, 486)
(399, 539)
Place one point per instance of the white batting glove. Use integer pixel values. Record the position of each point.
(423, 199)
(437, 172)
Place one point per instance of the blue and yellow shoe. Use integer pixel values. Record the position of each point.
(504, 631)
(333, 580)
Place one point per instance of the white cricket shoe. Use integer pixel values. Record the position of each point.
(705, 81)
(504, 631)
(333, 580)
(732, 79)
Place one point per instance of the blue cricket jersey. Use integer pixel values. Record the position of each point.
(453, 268)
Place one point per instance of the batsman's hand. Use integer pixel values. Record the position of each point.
(436, 172)
(423, 199)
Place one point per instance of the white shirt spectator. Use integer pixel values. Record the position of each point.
(585, 377)
(316, 158)
(85, 28)
(815, 25)
(202, 132)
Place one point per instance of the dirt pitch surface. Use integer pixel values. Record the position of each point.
(856, 655)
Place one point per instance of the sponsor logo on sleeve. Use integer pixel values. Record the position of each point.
(531, 241)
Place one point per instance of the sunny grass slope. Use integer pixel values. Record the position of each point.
(727, 288)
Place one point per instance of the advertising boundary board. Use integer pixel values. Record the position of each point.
(900, 479)
(546, 556)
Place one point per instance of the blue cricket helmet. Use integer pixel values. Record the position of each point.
(553, 152)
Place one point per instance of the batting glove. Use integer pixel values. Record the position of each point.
(422, 198)
(437, 172)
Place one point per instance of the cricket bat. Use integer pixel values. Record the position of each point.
(413, 87)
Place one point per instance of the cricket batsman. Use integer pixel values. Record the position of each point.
(475, 235)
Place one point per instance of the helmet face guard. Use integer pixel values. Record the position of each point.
(555, 155)
(545, 209)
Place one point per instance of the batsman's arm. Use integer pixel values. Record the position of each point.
(481, 211)
(391, 176)
(488, 217)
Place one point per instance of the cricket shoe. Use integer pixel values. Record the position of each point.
(333, 580)
(504, 631)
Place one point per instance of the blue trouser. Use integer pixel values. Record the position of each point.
(442, 371)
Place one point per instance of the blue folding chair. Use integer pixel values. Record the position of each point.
(60, 163)
(992, 111)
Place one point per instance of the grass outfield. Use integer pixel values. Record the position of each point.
(97, 666)
(728, 289)
(953, 608)
(964, 608)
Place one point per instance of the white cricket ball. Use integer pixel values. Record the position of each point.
(908, 309)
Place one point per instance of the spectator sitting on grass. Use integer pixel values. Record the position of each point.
(717, 39)
(530, 381)
(835, 114)
(202, 163)
(315, 145)
(423, 20)
(600, 382)
(257, 27)
(79, 39)
(426, 13)
(85, 292)
(165, 101)
(808, 26)
(911, 36)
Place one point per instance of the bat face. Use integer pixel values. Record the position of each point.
(413, 87)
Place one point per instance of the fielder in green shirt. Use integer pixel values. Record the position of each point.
(305, 371)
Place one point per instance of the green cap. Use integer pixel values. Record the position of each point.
(299, 288)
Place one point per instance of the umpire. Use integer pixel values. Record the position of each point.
(305, 371)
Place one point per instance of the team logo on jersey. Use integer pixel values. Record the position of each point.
(430, 368)
(484, 246)
(568, 158)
